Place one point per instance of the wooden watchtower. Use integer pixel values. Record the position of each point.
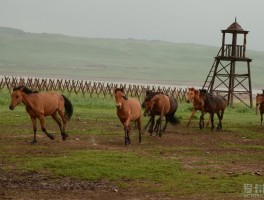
(227, 75)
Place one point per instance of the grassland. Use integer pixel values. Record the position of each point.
(186, 163)
(49, 55)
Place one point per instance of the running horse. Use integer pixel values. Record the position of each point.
(39, 105)
(148, 97)
(169, 116)
(128, 110)
(164, 106)
(212, 104)
(193, 96)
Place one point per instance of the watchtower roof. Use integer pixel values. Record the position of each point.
(235, 27)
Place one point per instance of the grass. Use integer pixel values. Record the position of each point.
(158, 167)
(118, 166)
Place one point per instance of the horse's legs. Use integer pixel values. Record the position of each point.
(126, 129)
(219, 126)
(63, 133)
(220, 117)
(148, 123)
(193, 112)
(156, 126)
(212, 120)
(56, 118)
(166, 123)
(201, 123)
(152, 119)
(41, 119)
(159, 121)
(34, 123)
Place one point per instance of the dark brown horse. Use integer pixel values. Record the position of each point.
(193, 95)
(170, 116)
(38, 105)
(128, 110)
(161, 105)
(259, 99)
(212, 104)
(148, 97)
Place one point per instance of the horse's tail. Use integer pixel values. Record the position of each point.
(68, 107)
(173, 119)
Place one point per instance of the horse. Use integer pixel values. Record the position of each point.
(128, 110)
(148, 97)
(161, 105)
(259, 99)
(212, 104)
(169, 116)
(194, 97)
(39, 105)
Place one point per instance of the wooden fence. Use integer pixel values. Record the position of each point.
(85, 87)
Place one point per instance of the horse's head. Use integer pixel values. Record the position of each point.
(150, 103)
(16, 98)
(259, 98)
(148, 107)
(119, 97)
(202, 96)
(190, 95)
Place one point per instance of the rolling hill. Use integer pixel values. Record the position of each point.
(138, 61)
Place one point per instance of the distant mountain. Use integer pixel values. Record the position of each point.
(142, 61)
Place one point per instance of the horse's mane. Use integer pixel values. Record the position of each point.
(150, 94)
(24, 89)
(119, 89)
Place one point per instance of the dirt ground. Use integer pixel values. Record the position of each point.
(16, 184)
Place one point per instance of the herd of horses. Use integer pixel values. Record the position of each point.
(39, 105)
(162, 105)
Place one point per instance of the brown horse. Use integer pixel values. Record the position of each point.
(158, 105)
(194, 97)
(38, 105)
(169, 116)
(128, 110)
(212, 104)
(259, 99)
(148, 97)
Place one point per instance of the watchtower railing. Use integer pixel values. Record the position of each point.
(228, 51)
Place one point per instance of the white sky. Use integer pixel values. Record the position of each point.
(179, 21)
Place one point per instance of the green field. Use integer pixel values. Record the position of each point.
(186, 163)
(50, 55)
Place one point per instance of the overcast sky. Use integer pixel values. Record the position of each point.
(178, 21)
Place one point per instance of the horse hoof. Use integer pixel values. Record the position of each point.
(50, 136)
(33, 142)
(64, 136)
